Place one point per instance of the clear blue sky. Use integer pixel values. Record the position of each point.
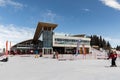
(100, 17)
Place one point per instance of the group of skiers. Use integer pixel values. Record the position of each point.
(112, 55)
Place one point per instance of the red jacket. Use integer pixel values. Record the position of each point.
(113, 55)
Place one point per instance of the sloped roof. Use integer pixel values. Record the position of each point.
(26, 41)
(40, 26)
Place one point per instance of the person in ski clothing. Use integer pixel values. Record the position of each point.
(54, 54)
(113, 57)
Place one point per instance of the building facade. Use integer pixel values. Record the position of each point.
(46, 41)
(69, 44)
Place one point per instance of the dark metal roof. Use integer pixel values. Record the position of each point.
(79, 35)
(23, 42)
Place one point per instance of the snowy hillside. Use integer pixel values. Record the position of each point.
(30, 68)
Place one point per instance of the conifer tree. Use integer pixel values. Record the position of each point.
(100, 42)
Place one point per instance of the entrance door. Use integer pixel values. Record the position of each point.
(47, 50)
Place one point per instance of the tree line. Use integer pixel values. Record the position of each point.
(99, 42)
(118, 48)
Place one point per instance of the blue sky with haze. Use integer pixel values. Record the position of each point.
(19, 18)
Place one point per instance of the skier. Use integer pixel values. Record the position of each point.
(4, 59)
(113, 57)
(40, 54)
(54, 54)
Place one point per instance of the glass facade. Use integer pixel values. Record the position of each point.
(70, 41)
(47, 38)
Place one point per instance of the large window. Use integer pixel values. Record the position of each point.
(71, 41)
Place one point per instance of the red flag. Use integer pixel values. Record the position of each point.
(6, 49)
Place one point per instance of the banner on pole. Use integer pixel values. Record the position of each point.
(77, 49)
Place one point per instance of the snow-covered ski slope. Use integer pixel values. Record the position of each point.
(30, 68)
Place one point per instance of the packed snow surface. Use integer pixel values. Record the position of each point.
(31, 68)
